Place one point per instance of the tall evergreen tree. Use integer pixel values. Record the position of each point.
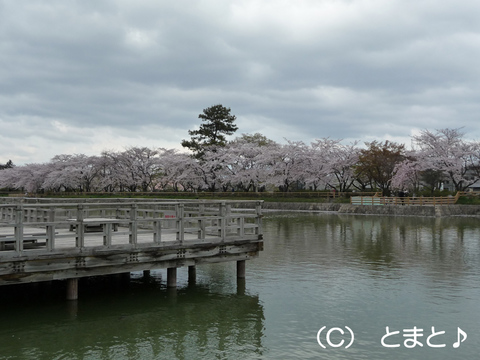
(9, 164)
(217, 123)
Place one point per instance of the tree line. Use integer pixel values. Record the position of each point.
(252, 162)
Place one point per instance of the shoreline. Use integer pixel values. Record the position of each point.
(390, 210)
(336, 208)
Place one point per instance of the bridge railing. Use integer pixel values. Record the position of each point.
(78, 227)
(422, 201)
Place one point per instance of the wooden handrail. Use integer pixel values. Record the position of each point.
(376, 200)
(214, 221)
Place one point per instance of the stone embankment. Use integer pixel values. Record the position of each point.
(394, 210)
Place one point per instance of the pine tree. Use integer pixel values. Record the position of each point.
(217, 123)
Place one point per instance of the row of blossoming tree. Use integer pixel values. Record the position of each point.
(253, 163)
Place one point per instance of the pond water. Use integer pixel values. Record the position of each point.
(413, 282)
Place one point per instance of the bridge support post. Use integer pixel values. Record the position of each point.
(172, 277)
(241, 269)
(72, 289)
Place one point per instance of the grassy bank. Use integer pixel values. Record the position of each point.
(468, 200)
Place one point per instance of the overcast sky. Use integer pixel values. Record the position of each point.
(85, 76)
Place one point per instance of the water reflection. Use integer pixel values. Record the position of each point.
(368, 272)
(442, 245)
(365, 272)
(140, 319)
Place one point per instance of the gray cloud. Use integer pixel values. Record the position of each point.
(143, 71)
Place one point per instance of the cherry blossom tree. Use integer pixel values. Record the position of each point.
(105, 164)
(29, 177)
(286, 164)
(446, 151)
(77, 172)
(136, 168)
(244, 168)
(211, 169)
(318, 160)
(111, 176)
(343, 159)
(406, 176)
(179, 171)
(62, 175)
(252, 162)
(143, 167)
(8, 178)
(332, 164)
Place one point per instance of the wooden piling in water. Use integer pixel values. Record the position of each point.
(172, 277)
(241, 269)
(72, 289)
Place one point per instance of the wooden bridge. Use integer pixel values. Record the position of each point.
(68, 240)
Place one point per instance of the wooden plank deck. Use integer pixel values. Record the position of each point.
(66, 238)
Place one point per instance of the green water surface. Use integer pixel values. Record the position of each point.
(317, 271)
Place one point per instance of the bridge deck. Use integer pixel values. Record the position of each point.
(42, 242)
